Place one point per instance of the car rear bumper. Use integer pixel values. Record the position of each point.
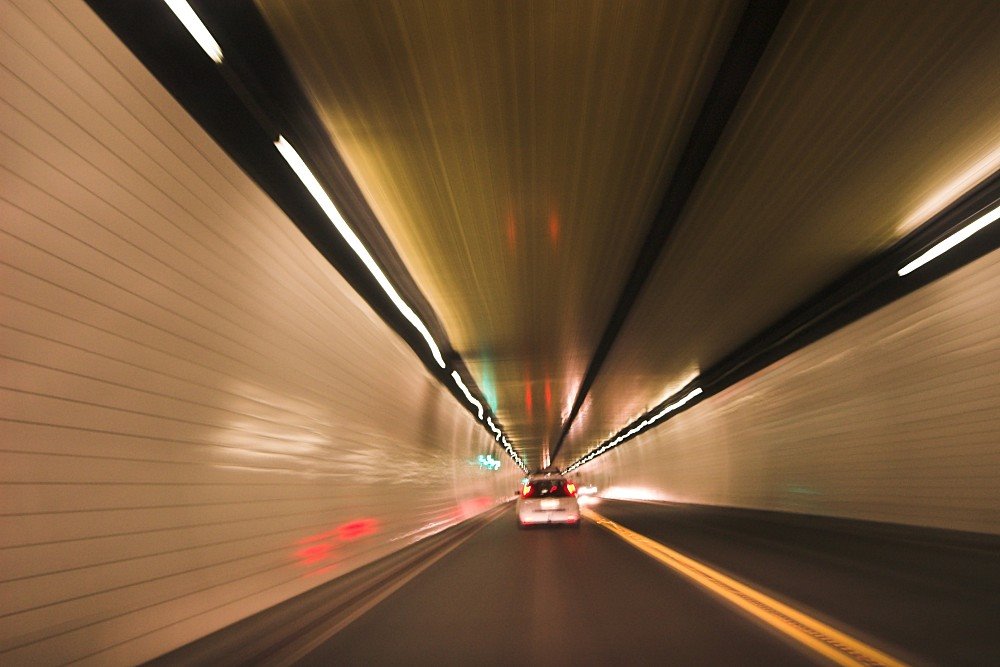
(539, 517)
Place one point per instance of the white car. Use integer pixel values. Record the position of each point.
(547, 499)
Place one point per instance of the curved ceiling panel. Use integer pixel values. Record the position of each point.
(516, 154)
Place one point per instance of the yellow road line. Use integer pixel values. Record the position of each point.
(820, 637)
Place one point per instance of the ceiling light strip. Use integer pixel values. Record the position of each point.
(952, 241)
(468, 396)
(319, 194)
(187, 16)
(312, 184)
(496, 431)
(183, 11)
(512, 453)
(635, 429)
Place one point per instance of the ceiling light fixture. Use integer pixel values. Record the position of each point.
(493, 428)
(513, 454)
(305, 175)
(324, 201)
(468, 396)
(645, 423)
(183, 11)
(952, 241)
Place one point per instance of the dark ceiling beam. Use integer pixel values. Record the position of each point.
(749, 41)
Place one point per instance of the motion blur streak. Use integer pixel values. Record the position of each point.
(838, 647)
(468, 396)
(354, 530)
(637, 428)
(319, 194)
(197, 29)
(314, 553)
(186, 14)
(321, 545)
(944, 246)
(211, 409)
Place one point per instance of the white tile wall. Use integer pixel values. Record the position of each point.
(198, 417)
(893, 418)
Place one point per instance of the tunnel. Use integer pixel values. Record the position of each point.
(304, 302)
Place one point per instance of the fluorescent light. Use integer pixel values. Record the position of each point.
(330, 209)
(611, 444)
(951, 241)
(465, 390)
(674, 406)
(197, 29)
(489, 422)
(319, 194)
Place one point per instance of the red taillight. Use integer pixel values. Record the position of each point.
(571, 488)
(526, 491)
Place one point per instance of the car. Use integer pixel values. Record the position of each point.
(547, 499)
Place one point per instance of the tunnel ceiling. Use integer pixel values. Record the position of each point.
(526, 159)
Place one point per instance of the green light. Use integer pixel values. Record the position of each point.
(488, 383)
(487, 462)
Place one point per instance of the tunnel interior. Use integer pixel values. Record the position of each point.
(290, 312)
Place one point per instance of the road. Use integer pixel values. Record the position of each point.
(567, 596)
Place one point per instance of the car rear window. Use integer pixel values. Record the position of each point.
(549, 488)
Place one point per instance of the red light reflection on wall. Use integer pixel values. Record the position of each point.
(313, 554)
(318, 537)
(317, 548)
(511, 231)
(554, 228)
(354, 530)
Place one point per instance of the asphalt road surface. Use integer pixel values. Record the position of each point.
(564, 596)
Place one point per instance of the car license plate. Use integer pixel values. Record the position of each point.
(550, 504)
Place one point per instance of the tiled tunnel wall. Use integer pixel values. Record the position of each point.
(199, 418)
(894, 418)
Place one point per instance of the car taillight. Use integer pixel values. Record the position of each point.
(571, 488)
(526, 491)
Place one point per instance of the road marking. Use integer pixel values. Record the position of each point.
(820, 637)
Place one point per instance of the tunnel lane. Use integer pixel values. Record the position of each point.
(564, 596)
(839, 647)
(925, 596)
(552, 596)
